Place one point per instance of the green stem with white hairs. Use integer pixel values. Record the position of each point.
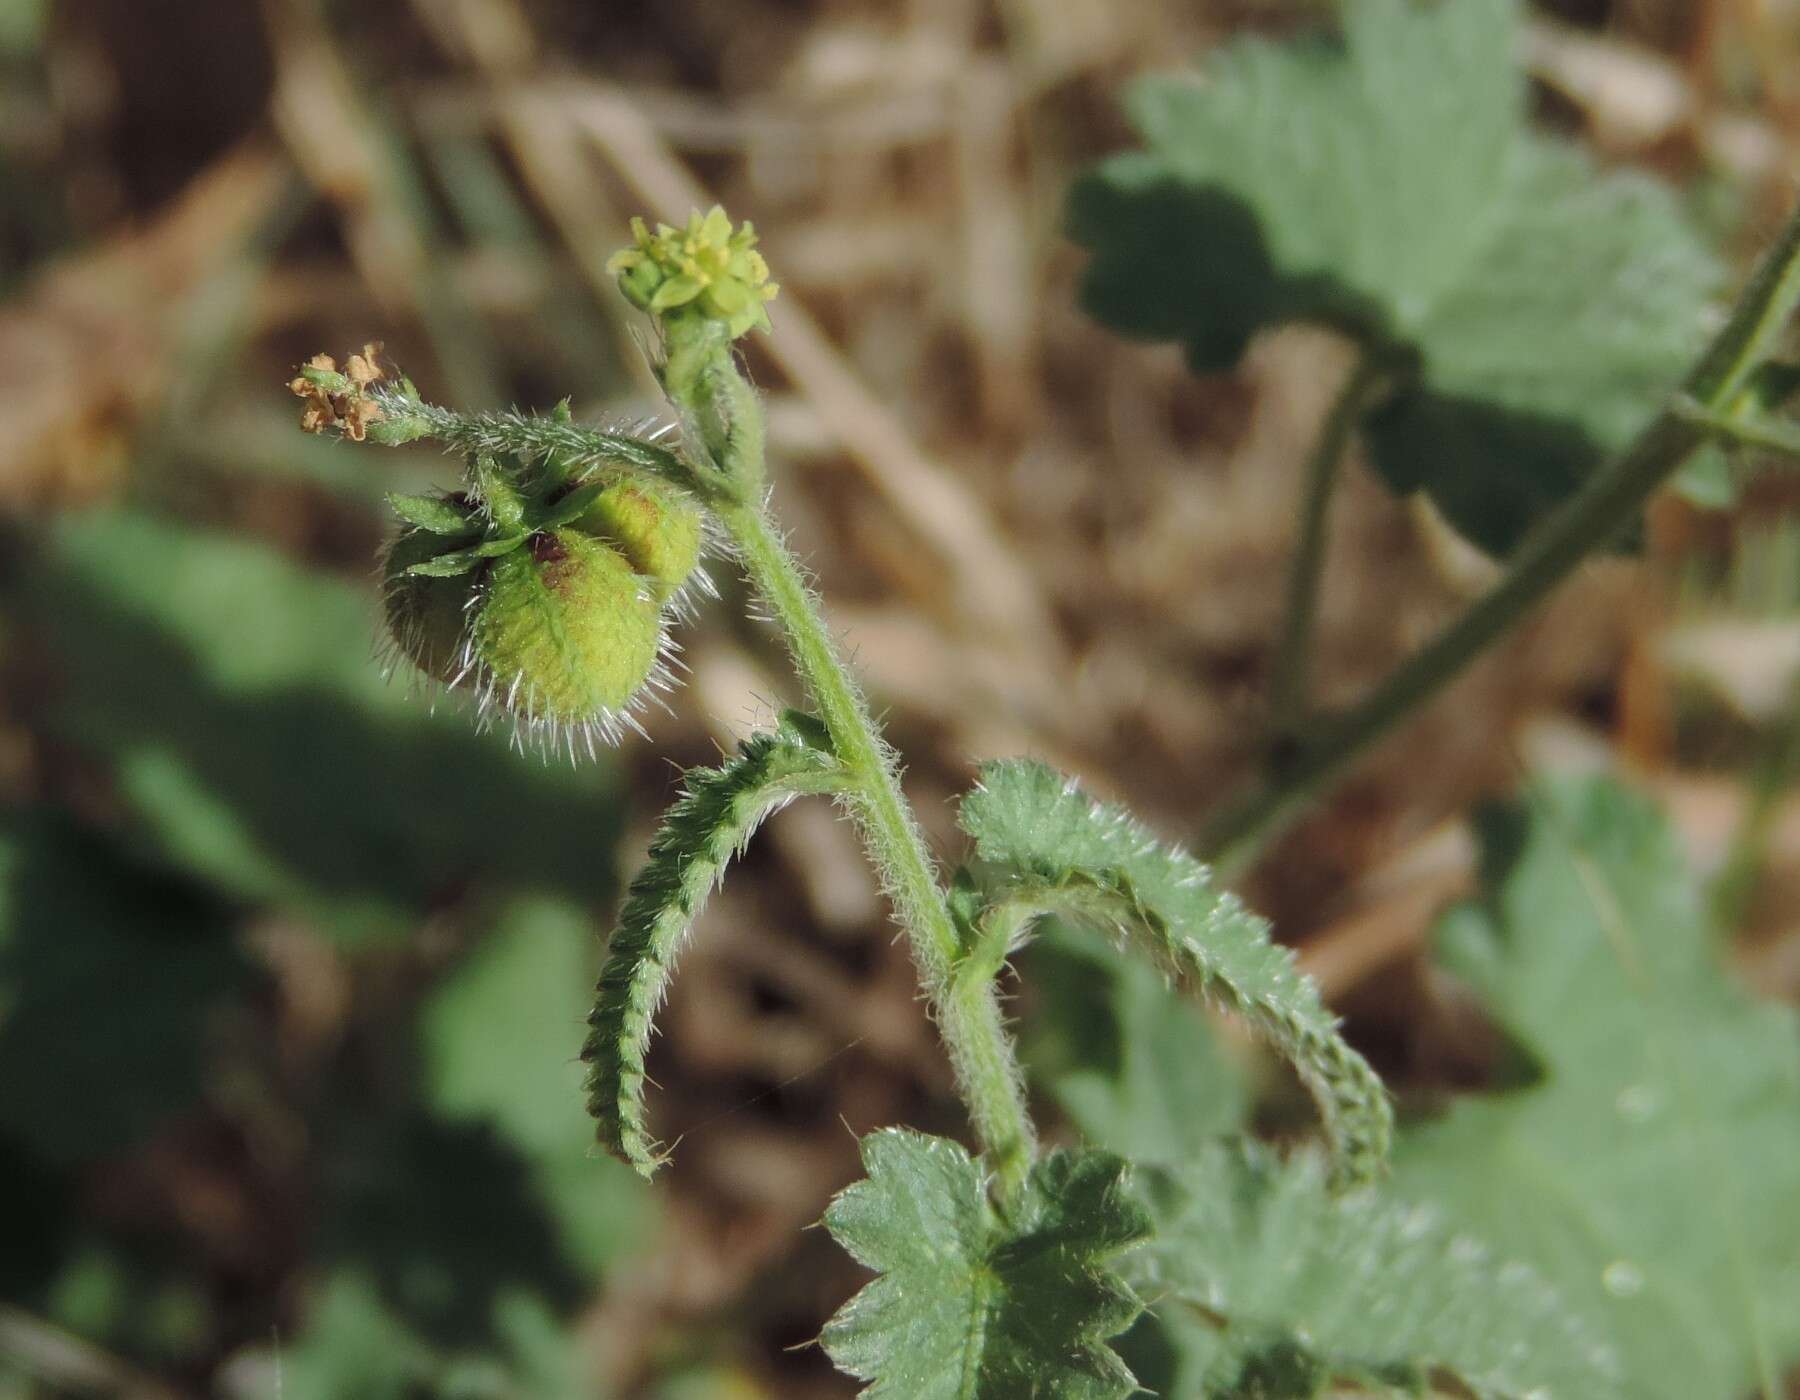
(966, 1009)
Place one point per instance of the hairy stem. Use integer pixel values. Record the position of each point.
(968, 1015)
(1290, 688)
(1589, 521)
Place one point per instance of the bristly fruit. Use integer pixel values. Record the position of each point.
(427, 618)
(566, 637)
(654, 527)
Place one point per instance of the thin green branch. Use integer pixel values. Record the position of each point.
(1589, 521)
(1290, 688)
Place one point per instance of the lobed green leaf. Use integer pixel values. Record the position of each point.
(1388, 185)
(712, 821)
(973, 1305)
(1057, 850)
(1651, 1167)
(1267, 1284)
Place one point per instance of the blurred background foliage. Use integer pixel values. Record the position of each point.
(293, 964)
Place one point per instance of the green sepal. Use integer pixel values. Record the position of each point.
(809, 731)
(434, 514)
(499, 493)
(461, 561)
(329, 381)
(573, 506)
(427, 616)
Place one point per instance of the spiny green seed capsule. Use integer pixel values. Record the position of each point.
(566, 636)
(654, 527)
(427, 618)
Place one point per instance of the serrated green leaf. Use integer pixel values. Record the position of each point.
(973, 1306)
(255, 743)
(435, 514)
(498, 1038)
(1652, 1171)
(712, 821)
(1270, 1285)
(1388, 185)
(1137, 1068)
(1061, 852)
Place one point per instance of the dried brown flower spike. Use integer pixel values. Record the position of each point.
(340, 400)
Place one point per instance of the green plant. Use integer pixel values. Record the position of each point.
(546, 586)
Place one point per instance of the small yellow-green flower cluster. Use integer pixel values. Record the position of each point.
(707, 268)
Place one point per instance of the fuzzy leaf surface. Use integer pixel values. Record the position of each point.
(1652, 1169)
(1269, 1286)
(713, 821)
(1057, 849)
(969, 1306)
(1388, 185)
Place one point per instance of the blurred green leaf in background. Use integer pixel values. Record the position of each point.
(450, 1213)
(1651, 1169)
(1534, 308)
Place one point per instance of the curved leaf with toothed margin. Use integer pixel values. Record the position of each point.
(711, 823)
(1268, 1285)
(1058, 851)
(975, 1305)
